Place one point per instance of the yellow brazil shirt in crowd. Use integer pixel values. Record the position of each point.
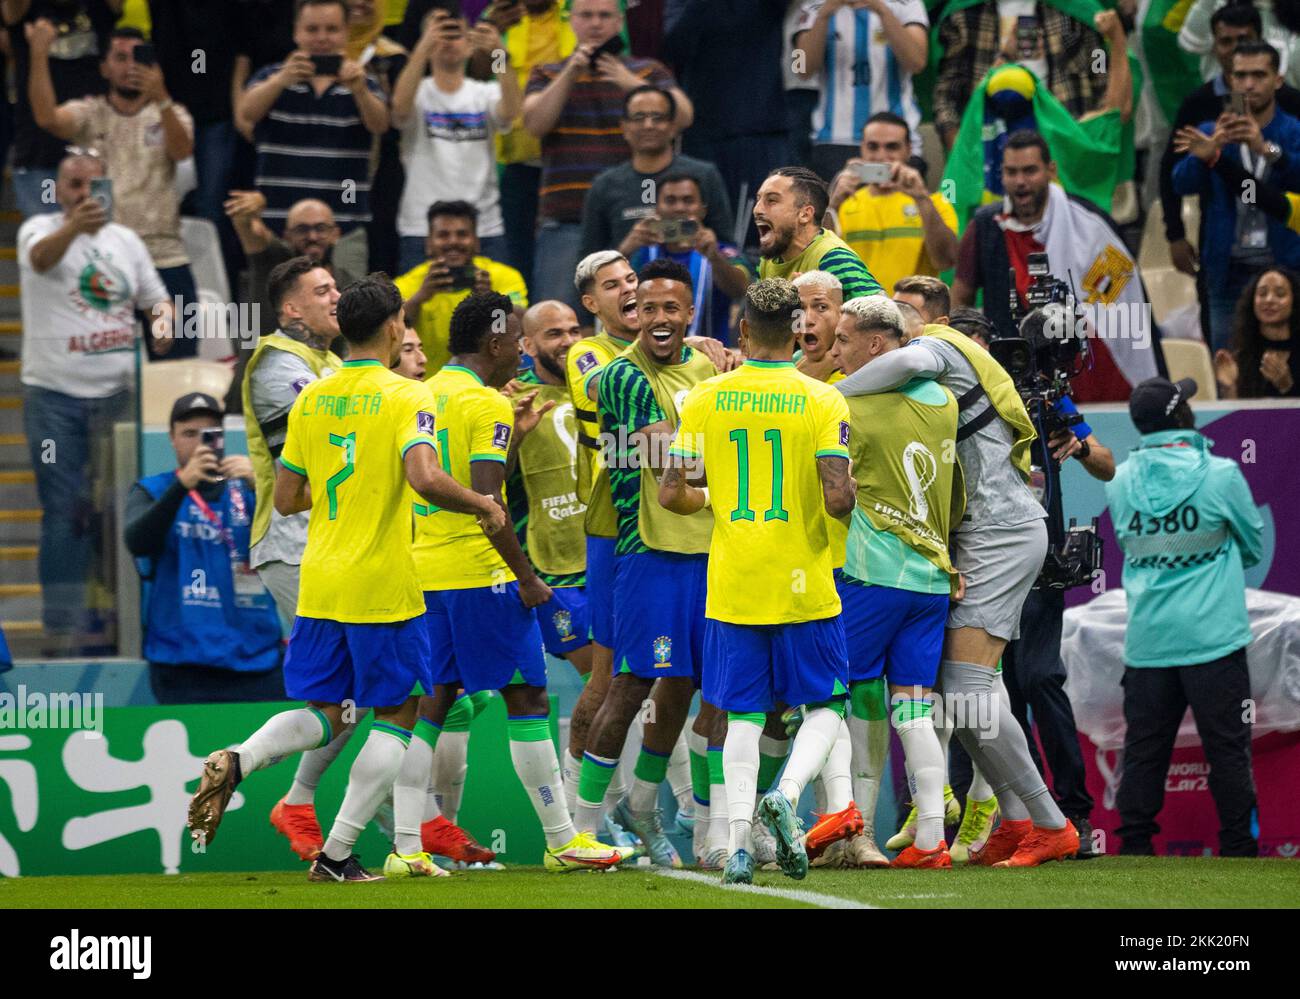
(434, 322)
(760, 430)
(885, 231)
(474, 423)
(348, 435)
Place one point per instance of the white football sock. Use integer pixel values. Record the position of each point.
(369, 782)
(835, 774)
(282, 735)
(869, 739)
(539, 771)
(431, 809)
(740, 766)
(925, 767)
(570, 770)
(313, 764)
(812, 745)
(679, 771)
(450, 765)
(979, 788)
(410, 795)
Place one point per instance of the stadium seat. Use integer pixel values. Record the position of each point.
(1168, 290)
(162, 382)
(209, 269)
(1191, 359)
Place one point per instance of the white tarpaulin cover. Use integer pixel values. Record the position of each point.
(1092, 649)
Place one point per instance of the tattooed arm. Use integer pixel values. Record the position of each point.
(839, 488)
(675, 493)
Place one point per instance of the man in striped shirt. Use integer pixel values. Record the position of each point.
(791, 205)
(576, 109)
(315, 123)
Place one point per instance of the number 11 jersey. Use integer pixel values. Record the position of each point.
(760, 430)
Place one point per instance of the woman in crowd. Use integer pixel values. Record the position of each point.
(1263, 362)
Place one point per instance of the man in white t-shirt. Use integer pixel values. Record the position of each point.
(865, 53)
(82, 280)
(448, 123)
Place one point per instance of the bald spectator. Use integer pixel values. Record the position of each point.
(310, 231)
(142, 134)
(83, 280)
(576, 109)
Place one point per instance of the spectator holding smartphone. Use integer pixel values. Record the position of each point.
(327, 111)
(576, 109)
(82, 280)
(141, 133)
(888, 217)
(211, 632)
(536, 32)
(455, 266)
(679, 231)
(448, 124)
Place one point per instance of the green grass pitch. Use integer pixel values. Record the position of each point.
(1164, 882)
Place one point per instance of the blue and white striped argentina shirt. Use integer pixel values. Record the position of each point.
(861, 75)
(314, 147)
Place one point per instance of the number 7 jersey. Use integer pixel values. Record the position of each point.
(348, 435)
(760, 430)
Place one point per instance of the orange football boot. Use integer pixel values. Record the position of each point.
(445, 839)
(832, 827)
(912, 857)
(1042, 845)
(1002, 844)
(297, 823)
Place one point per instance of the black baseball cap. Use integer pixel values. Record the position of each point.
(1153, 403)
(195, 402)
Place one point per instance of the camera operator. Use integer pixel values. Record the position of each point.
(1031, 666)
(998, 548)
(211, 630)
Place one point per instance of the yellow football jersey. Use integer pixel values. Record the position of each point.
(586, 358)
(348, 434)
(760, 430)
(886, 231)
(475, 423)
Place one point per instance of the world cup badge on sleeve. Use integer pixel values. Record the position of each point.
(424, 423)
(586, 362)
(501, 436)
(844, 433)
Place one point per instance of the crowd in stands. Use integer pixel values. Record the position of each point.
(462, 145)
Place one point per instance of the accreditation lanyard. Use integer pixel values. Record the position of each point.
(247, 582)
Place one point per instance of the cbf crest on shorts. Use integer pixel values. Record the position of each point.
(563, 622)
(501, 436)
(663, 650)
(424, 423)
